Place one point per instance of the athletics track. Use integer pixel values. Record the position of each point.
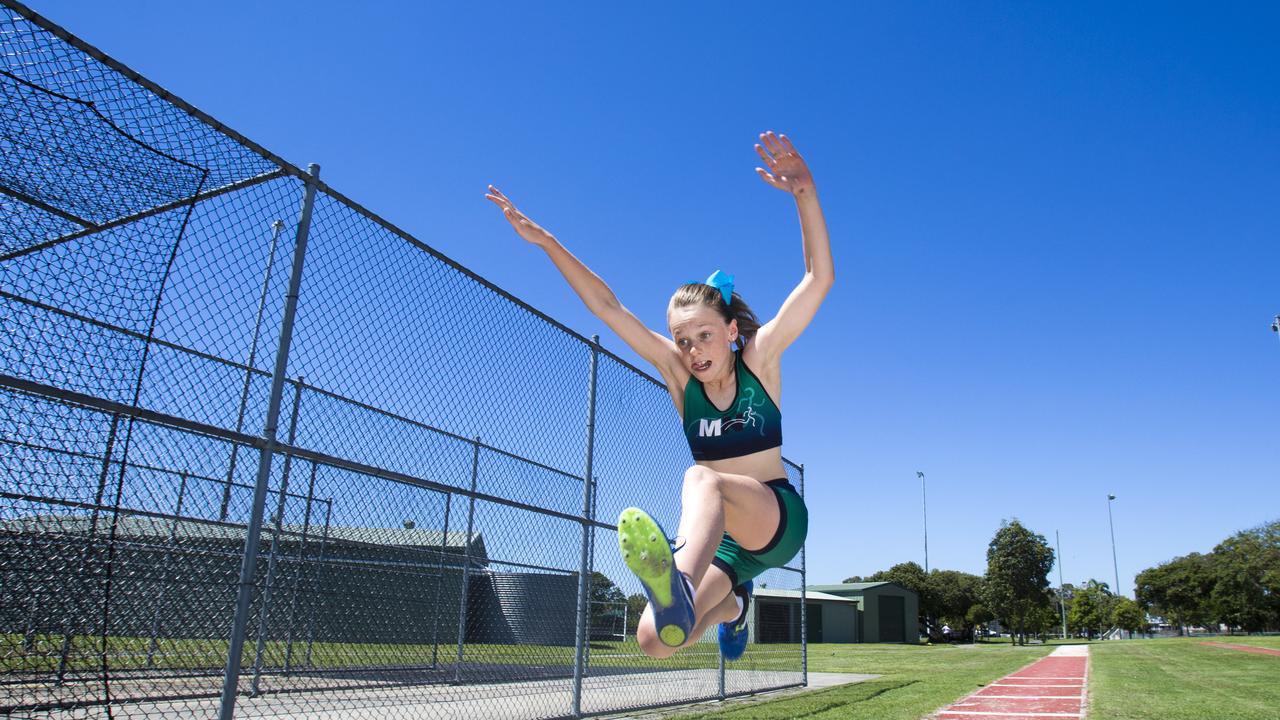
(1243, 648)
(1051, 687)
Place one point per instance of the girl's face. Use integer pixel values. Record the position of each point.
(703, 338)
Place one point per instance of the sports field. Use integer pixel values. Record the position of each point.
(1181, 678)
(1171, 679)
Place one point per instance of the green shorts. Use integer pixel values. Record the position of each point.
(742, 565)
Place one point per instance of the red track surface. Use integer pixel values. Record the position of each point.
(1052, 687)
(1244, 648)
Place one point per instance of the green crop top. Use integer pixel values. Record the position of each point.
(752, 423)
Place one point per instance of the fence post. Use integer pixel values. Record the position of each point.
(324, 545)
(435, 606)
(804, 618)
(276, 227)
(164, 574)
(264, 611)
(720, 672)
(580, 633)
(466, 562)
(302, 569)
(591, 560)
(249, 565)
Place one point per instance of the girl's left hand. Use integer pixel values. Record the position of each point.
(787, 170)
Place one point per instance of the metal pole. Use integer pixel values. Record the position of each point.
(264, 611)
(924, 500)
(276, 227)
(1062, 597)
(435, 611)
(324, 545)
(293, 595)
(804, 618)
(466, 562)
(249, 565)
(720, 676)
(1114, 565)
(591, 549)
(164, 574)
(580, 634)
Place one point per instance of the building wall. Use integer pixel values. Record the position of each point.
(872, 598)
(186, 589)
(839, 622)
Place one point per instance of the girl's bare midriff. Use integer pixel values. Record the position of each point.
(764, 466)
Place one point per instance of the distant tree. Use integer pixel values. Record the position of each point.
(1127, 615)
(978, 616)
(1180, 590)
(1042, 618)
(1018, 563)
(1246, 594)
(1089, 610)
(1060, 599)
(635, 606)
(606, 601)
(853, 579)
(951, 594)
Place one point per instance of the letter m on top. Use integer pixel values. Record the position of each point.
(708, 427)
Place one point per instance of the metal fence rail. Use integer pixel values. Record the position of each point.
(264, 454)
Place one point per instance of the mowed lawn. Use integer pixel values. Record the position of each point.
(916, 680)
(1181, 679)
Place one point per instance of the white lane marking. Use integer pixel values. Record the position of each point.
(1029, 686)
(1028, 697)
(945, 712)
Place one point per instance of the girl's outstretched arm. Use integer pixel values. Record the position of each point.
(659, 350)
(787, 171)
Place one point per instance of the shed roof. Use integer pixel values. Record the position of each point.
(136, 527)
(795, 594)
(850, 589)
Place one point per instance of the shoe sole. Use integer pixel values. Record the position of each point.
(646, 552)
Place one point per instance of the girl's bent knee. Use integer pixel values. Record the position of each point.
(698, 476)
(653, 647)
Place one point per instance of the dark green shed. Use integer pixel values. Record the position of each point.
(887, 612)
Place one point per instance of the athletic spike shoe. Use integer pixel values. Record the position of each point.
(645, 550)
(733, 635)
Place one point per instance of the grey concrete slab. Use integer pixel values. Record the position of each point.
(519, 700)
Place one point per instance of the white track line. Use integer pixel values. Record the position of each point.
(1028, 686)
(1013, 714)
(1028, 697)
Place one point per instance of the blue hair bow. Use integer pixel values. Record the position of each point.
(723, 282)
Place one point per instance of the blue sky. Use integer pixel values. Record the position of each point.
(1055, 227)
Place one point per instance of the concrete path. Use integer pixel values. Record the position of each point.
(1052, 687)
(817, 681)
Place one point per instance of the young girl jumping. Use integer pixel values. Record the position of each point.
(739, 514)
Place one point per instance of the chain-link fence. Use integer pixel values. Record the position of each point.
(263, 454)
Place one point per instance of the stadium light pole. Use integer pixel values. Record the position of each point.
(1062, 597)
(924, 500)
(1114, 565)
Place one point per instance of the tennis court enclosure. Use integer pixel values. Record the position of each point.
(259, 458)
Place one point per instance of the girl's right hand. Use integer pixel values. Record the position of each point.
(524, 227)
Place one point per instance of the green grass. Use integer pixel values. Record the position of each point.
(916, 680)
(1266, 641)
(1180, 679)
(130, 653)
